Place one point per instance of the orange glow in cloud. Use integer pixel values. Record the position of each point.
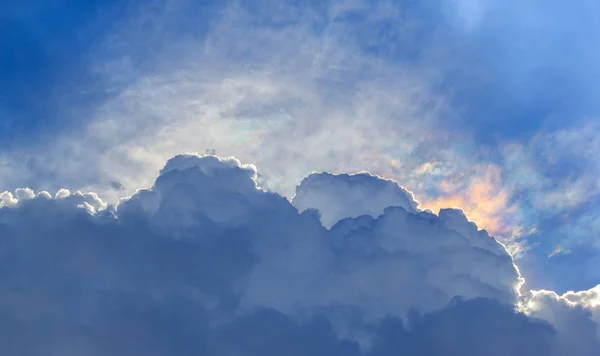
(480, 192)
(482, 197)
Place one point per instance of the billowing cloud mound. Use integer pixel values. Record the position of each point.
(399, 261)
(350, 196)
(207, 263)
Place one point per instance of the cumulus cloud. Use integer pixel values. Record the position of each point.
(194, 196)
(576, 316)
(207, 262)
(350, 196)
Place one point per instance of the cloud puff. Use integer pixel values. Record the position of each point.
(350, 196)
(575, 315)
(207, 262)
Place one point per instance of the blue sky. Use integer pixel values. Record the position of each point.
(43, 64)
(488, 106)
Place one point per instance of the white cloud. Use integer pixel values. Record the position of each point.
(575, 315)
(7, 199)
(350, 196)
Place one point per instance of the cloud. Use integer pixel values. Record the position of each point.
(467, 328)
(576, 316)
(338, 196)
(195, 195)
(206, 261)
(485, 199)
(466, 104)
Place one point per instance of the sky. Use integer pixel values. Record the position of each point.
(358, 122)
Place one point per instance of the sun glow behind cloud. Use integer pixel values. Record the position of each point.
(484, 198)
